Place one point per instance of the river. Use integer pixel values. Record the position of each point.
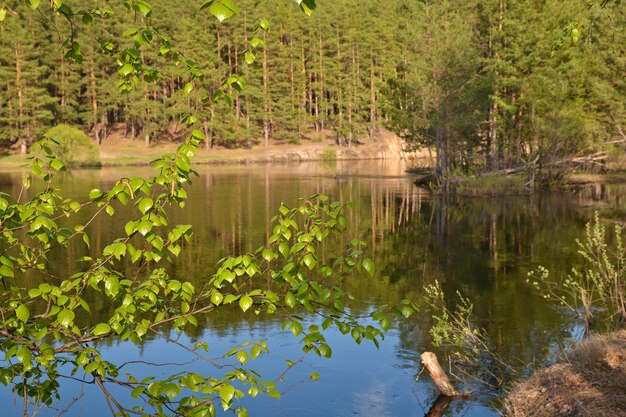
(483, 248)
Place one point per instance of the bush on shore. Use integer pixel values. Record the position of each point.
(73, 146)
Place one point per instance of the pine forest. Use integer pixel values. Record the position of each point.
(491, 84)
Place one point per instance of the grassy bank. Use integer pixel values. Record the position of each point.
(489, 184)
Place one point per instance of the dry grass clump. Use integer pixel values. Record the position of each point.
(589, 382)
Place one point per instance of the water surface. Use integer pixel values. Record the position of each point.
(483, 248)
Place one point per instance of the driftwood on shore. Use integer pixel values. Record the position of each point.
(595, 159)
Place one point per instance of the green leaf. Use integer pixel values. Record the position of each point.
(295, 328)
(22, 313)
(273, 393)
(125, 70)
(95, 194)
(264, 24)
(145, 204)
(314, 376)
(245, 303)
(188, 88)
(216, 298)
(116, 249)
(226, 393)
(144, 227)
(231, 5)
(406, 311)
(242, 357)
(255, 352)
(142, 7)
(171, 391)
(369, 266)
(6, 271)
(307, 6)
(385, 324)
(100, 329)
(325, 350)
(250, 58)
(87, 19)
(24, 356)
(66, 318)
(130, 227)
(3, 14)
(221, 11)
(32, 4)
(290, 300)
(268, 254)
(309, 260)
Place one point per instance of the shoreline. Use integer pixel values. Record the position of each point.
(120, 152)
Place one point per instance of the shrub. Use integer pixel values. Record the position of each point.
(73, 146)
(597, 291)
(328, 154)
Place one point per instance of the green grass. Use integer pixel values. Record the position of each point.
(490, 184)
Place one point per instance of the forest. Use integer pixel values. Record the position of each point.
(92, 278)
(485, 84)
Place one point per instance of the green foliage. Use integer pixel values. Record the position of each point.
(453, 328)
(45, 337)
(329, 154)
(489, 184)
(482, 84)
(72, 146)
(469, 351)
(596, 292)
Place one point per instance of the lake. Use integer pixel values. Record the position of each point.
(481, 247)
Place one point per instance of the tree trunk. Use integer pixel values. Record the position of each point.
(321, 92)
(94, 103)
(372, 128)
(20, 105)
(266, 95)
(209, 138)
(63, 92)
(101, 131)
(429, 360)
(493, 107)
(304, 81)
(339, 91)
(292, 81)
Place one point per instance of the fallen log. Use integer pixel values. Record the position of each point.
(426, 181)
(429, 360)
(598, 158)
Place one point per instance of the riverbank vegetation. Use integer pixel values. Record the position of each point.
(591, 377)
